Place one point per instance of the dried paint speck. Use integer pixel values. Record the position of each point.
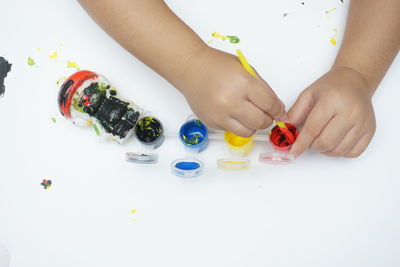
(46, 184)
(330, 11)
(31, 62)
(5, 67)
(54, 56)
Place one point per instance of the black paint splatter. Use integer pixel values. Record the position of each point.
(46, 184)
(5, 67)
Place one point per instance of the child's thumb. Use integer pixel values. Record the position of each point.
(298, 113)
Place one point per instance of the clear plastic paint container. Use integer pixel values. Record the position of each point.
(141, 157)
(234, 164)
(187, 167)
(194, 136)
(238, 147)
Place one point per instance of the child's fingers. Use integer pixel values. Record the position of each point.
(267, 85)
(264, 98)
(332, 135)
(252, 117)
(318, 118)
(360, 147)
(298, 113)
(234, 126)
(349, 141)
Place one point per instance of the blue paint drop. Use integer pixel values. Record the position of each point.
(187, 165)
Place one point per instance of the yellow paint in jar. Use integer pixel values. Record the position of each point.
(237, 144)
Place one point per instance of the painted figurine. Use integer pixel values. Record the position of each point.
(88, 98)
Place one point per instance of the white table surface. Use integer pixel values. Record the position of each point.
(319, 211)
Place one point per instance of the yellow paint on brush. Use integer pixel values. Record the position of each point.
(237, 144)
(72, 64)
(251, 71)
(281, 124)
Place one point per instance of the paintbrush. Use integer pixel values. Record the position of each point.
(251, 71)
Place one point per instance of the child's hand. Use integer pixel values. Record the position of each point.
(224, 96)
(337, 114)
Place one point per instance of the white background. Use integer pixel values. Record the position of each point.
(319, 211)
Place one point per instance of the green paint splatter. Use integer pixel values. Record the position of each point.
(31, 62)
(96, 130)
(233, 39)
(53, 119)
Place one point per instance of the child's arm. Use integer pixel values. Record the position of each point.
(336, 109)
(221, 93)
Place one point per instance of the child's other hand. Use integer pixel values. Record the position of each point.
(337, 114)
(224, 96)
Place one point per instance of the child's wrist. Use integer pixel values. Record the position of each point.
(369, 88)
(192, 66)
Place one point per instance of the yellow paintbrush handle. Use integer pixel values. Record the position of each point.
(246, 64)
(251, 71)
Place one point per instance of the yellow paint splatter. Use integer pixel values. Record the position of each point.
(54, 56)
(217, 35)
(61, 44)
(72, 64)
(133, 211)
(333, 39)
(39, 49)
(330, 11)
(31, 62)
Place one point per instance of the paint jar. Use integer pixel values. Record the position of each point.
(281, 140)
(194, 136)
(238, 145)
(150, 132)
